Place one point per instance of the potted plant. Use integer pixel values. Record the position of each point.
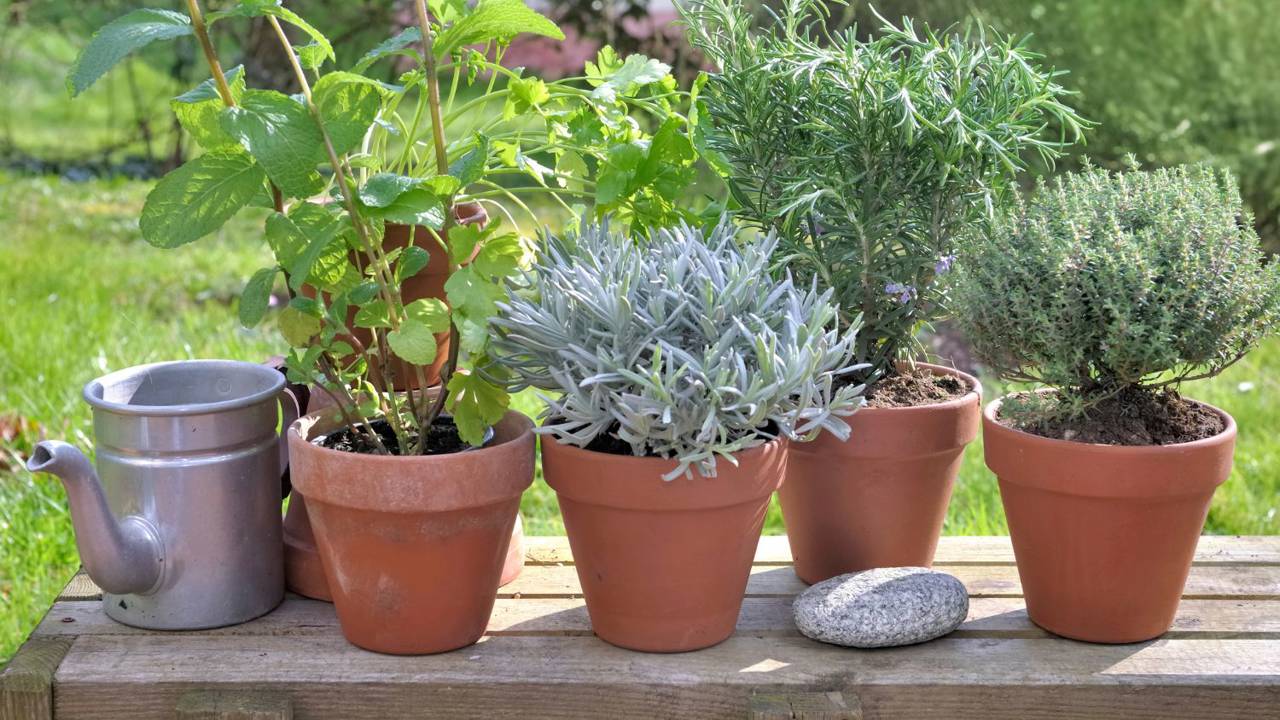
(412, 495)
(867, 157)
(677, 373)
(1110, 290)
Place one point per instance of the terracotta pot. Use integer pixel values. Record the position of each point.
(663, 565)
(1104, 534)
(413, 547)
(880, 498)
(303, 571)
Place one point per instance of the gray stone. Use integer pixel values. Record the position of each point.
(885, 607)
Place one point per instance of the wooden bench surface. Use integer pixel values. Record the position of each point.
(539, 658)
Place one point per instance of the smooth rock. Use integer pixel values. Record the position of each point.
(885, 607)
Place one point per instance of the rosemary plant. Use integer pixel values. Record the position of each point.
(868, 157)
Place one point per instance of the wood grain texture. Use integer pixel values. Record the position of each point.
(234, 705)
(540, 660)
(988, 617)
(26, 683)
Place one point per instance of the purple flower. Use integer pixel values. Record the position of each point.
(943, 266)
(905, 293)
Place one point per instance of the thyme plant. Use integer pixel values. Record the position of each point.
(338, 161)
(681, 347)
(1101, 283)
(868, 157)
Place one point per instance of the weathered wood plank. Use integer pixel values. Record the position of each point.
(114, 676)
(1213, 550)
(833, 705)
(760, 617)
(26, 683)
(234, 705)
(1205, 582)
(774, 550)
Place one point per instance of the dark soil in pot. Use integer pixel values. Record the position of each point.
(442, 439)
(1134, 416)
(914, 387)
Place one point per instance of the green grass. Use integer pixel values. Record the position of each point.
(81, 294)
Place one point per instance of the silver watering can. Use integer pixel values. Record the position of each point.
(183, 530)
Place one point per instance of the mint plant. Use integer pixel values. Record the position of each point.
(681, 347)
(869, 157)
(338, 161)
(1104, 283)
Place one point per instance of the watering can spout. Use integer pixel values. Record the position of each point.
(121, 556)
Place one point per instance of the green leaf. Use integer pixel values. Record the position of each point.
(373, 315)
(431, 312)
(298, 327)
(311, 56)
(636, 72)
(571, 171)
(415, 207)
(199, 197)
(393, 46)
(348, 104)
(281, 134)
(363, 292)
(413, 342)
(495, 21)
(525, 94)
(462, 242)
(471, 295)
(470, 167)
(115, 40)
(308, 305)
(384, 188)
(499, 257)
(198, 111)
(412, 261)
(260, 8)
(476, 405)
(311, 244)
(257, 296)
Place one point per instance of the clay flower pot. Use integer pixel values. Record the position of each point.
(663, 565)
(878, 499)
(1104, 534)
(303, 571)
(413, 547)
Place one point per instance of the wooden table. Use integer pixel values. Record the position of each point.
(540, 660)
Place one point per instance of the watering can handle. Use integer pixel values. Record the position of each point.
(293, 403)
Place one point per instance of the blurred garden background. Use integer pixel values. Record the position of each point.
(81, 294)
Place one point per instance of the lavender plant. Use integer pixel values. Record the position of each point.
(681, 347)
(1102, 283)
(868, 157)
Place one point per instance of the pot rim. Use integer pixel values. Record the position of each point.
(990, 419)
(975, 392)
(315, 418)
(94, 389)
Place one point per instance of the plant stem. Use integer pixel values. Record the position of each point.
(433, 87)
(210, 54)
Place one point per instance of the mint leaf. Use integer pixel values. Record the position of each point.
(384, 188)
(373, 315)
(199, 197)
(495, 21)
(470, 167)
(431, 312)
(199, 109)
(413, 342)
(261, 8)
(412, 261)
(415, 207)
(476, 405)
(281, 134)
(114, 41)
(394, 46)
(257, 296)
(348, 104)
